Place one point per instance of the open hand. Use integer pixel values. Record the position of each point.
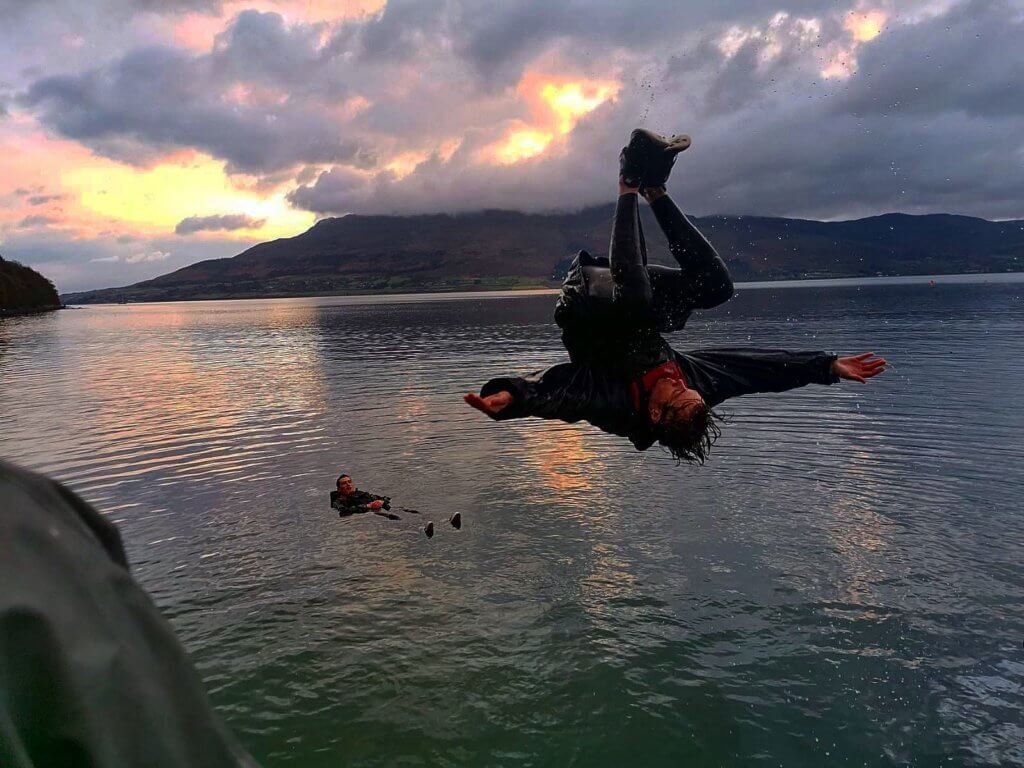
(492, 405)
(859, 367)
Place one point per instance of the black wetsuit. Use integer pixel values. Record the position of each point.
(612, 313)
(355, 503)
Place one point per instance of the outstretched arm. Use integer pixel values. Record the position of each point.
(568, 392)
(720, 374)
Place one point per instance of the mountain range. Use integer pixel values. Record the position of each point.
(506, 249)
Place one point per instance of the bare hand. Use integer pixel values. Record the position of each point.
(492, 405)
(859, 367)
(375, 504)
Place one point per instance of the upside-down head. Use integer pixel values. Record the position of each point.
(684, 423)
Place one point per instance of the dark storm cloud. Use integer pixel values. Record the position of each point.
(226, 222)
(43, 199)
(259, 47)
(155, 99)
(399, 33)
(36, 221)
(930, 119)
(970, 60)
(499, 38)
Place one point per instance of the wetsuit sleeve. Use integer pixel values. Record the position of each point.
(559, 392)
(705, 278)
(354, 503)
(571, 392)
(720, 374)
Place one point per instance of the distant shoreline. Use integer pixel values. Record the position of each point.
(31, 311)
(541, 289)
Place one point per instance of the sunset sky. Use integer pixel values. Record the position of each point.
(137, 136)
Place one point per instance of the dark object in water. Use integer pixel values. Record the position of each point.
(456, 521)
(388, 515)
(87, 657)
(410, 511)
(429, 530)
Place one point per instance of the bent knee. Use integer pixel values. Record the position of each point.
(716, 295)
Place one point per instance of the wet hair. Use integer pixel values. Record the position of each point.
(690, 439)
(338, 481)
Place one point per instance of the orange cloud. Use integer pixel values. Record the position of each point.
(862, 26)
(556, 104)
(56, 184)
(519, 145)
(865, 25)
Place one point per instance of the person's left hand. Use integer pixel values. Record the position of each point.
(859, 367)
(375, 504)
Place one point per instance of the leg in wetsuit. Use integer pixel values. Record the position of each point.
(618, 301)
(703, 279)
(701, 282)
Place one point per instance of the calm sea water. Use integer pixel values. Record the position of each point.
(841, 585)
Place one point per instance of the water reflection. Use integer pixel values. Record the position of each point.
(844, 575)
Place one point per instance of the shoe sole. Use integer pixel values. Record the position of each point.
(678, 144)
(644, 140)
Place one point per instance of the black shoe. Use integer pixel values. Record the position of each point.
(429, 530)
(456, 521)
(632, 165)
(657, 154)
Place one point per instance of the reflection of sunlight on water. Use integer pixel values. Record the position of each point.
(556, 453)
(186, 404)
(844, 545)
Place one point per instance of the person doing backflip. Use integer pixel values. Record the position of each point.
(623, 377)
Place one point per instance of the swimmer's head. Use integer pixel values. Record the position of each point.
(345, 485)
(683, 421)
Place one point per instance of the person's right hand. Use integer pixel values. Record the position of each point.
(492, 405)
(859, 367)
(375, 504)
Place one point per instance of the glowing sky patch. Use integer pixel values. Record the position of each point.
(556, 105)
(153, 201)
(521, 145)
(403, 164)
(571, 101)
(862, 27)
(866, 25)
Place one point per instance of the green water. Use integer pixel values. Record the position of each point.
(841, 585)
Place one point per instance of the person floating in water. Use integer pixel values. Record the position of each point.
(350, 501)
(623, 377)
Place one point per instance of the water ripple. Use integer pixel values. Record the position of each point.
(842, 579)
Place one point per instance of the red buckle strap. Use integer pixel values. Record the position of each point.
(641, 388)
